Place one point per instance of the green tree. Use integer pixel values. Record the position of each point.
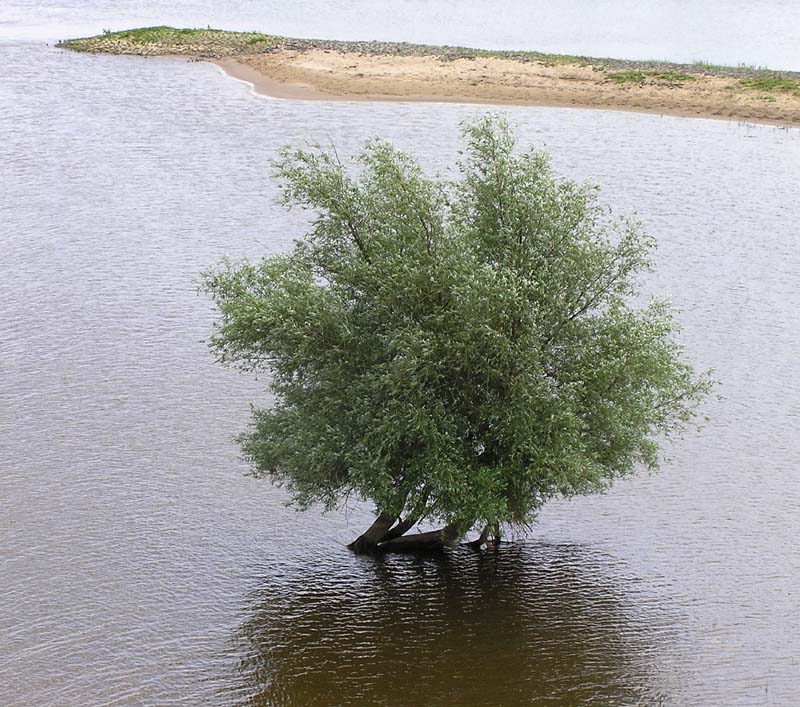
(456, 352)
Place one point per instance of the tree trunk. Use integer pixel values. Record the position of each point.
(421, 542)
(492, 529)
(368, 542)
(400, 529)
(476, 544)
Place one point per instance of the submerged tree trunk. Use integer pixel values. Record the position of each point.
(402, 527)
(421, 542)
(368, 542)
(476, 544)
(493, 530)
(384, 536)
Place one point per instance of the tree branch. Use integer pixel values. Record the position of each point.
(351, 226)
(593, 300)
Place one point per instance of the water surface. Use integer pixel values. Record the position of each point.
(140, 566)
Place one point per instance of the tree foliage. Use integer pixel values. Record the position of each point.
(456, 351)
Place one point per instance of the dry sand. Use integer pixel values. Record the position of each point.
(320, 74)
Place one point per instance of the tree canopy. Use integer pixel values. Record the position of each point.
(455, 351)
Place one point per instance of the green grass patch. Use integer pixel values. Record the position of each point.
(170, 40)
(563, 59)
(150, 35)
(634, 76)
(623, 77)
(771, 84)
(676, 76)
(715, 68)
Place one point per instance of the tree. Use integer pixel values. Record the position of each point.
(453, 351)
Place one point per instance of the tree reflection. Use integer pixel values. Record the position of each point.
(527, 623)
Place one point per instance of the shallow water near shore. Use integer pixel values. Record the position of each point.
(140, 565)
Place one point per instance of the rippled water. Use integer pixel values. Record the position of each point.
(139, 566)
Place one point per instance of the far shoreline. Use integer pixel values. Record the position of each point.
(325, 70)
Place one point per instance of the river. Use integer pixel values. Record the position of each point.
(139, 565)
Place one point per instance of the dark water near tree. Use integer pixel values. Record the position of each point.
(139, 566)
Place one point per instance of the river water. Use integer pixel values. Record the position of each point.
(140, 566)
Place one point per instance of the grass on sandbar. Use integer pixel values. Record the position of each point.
(169, 40)
(771, 84)
(634, 76)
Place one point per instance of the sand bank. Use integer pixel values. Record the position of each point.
(372, 71)
(324, 75)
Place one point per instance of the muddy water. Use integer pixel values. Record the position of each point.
(140, 566)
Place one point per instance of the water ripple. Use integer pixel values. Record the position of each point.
(139, 565)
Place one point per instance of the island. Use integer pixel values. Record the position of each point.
(328, 70)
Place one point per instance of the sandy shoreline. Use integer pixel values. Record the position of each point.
(324, 76)
(369, 71)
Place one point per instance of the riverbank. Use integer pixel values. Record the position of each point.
(384, 71)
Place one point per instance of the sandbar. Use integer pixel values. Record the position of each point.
(327, 70)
